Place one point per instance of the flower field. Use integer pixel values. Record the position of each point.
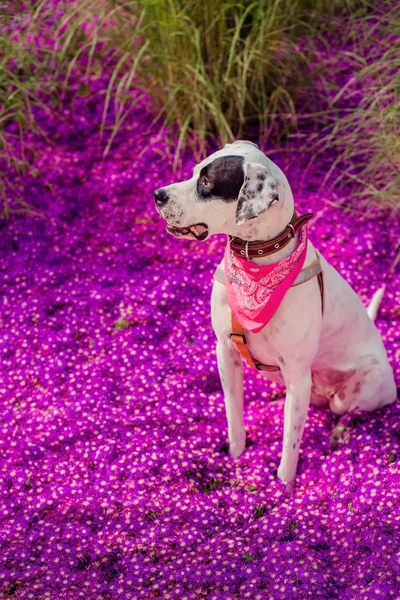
(115, 477)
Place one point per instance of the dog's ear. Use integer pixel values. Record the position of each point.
(258, 192)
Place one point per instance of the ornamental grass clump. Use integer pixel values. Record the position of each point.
(362, 93)
(53, 56)
(224, 69)
(31, 63)
(212, 72)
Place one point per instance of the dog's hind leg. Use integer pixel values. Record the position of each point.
(370, 387)
(230, 369)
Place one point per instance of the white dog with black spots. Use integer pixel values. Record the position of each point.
(335, 359)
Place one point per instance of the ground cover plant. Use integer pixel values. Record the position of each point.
(114, 473)
(115, 477)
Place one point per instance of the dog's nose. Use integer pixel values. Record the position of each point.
(161, 197)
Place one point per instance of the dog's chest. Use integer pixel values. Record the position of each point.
(263, 347)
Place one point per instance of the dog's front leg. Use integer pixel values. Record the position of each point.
(297, 401)
(231, 374)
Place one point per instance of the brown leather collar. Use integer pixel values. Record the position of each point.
(258, 249)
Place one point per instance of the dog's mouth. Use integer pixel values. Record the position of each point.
(199, 231)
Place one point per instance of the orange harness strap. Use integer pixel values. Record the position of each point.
(239, 339)
(238, 336)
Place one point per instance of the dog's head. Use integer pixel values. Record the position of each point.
(227, 190)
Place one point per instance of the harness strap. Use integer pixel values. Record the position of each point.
(237, 334)
(239, 339)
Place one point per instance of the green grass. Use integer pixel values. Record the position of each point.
(362, 138)
(224, 69)
(215, 70)
(29, 78)
(45, 50)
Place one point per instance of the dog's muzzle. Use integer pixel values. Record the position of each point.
(197, 230)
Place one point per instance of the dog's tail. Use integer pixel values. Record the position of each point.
(373, 307)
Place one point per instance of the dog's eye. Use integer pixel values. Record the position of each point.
(205, 182)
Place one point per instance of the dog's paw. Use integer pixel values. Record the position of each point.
(237, 443)
(286, 477)
(237, 448)
(289, 489)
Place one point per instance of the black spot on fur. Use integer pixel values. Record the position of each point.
(225, 178)
(260, 187)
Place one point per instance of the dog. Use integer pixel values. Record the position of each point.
(321, 342)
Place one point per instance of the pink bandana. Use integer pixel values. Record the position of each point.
(254, 291)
